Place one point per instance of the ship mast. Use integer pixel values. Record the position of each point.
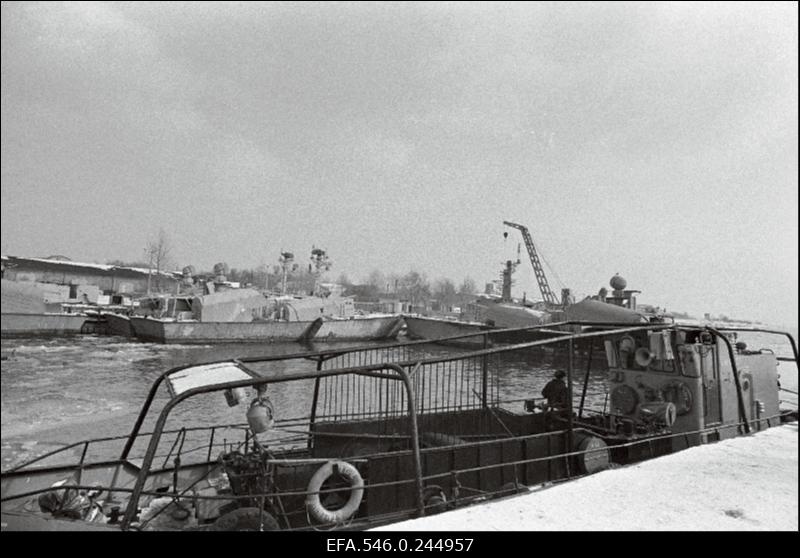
(320, 262)
(286, 260)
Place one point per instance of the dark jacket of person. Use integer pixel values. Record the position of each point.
(556, 393)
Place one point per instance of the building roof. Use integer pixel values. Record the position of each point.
(61, 264)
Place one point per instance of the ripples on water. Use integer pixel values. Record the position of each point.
(58, 391)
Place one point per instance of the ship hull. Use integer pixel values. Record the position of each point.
(159, 331)
(120, 325)
(360, 329)
(20, 325)
(433, 328)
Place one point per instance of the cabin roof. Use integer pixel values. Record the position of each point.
(206, 375)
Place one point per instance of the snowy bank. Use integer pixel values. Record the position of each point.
(741, 484)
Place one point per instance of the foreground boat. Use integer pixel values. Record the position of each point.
(384, 437)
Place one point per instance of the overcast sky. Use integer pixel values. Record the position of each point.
(656, 140)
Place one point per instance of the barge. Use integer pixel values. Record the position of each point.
(326, 330)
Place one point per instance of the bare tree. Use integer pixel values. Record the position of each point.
(445, 291)
(467, 290)
(415, 287)
(467, 287)
(377, 280)
(158, 252)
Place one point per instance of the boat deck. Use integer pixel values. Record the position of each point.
(747, 483)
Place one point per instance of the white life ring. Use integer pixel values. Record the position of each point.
(313, 503)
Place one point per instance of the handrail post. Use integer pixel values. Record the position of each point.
(569, 395)
(484, 371)
(586, 378)
(155, 438)
(140, 419)
(312, 419)
(211, 442)
(739, 395)
(412, 411)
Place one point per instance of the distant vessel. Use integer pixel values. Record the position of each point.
(244, 315)
(14, 324)
(32, 308)
(189, 332)
(424, 327)
(503, 312)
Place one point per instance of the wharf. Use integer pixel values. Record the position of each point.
(749, 483)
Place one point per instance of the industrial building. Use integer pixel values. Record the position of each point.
(76, 276)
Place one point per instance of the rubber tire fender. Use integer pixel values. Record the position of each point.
(313, 503)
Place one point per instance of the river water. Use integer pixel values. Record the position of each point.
(64, 390)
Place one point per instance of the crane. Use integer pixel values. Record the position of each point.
(547, 295)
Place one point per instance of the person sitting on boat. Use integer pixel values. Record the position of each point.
(557, 394)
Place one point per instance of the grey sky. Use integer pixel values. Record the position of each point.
(657, 140)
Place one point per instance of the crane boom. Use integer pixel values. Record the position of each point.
(544, 287)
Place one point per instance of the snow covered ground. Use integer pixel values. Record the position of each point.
(742, 484)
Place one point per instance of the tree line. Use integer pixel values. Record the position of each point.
(413, 286)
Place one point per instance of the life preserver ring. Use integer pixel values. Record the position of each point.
(679, 394)
(313, 502)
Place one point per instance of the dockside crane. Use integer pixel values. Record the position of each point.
(547, 295)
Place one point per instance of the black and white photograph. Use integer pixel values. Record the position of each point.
(399, 276)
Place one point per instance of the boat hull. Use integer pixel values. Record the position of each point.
(159, 331)
(435, 329)
(360, 329)
(118, 324)
(18, 325)
(432, 328)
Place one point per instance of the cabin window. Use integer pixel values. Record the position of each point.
(655, 353)
(611, 354)
(73, 291)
